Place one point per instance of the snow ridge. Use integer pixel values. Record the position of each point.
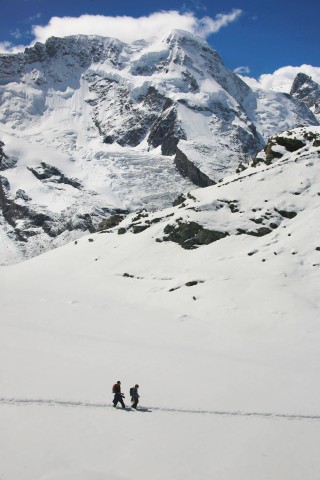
(82, 117)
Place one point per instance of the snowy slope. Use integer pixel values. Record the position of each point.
(83, 116)
(55, 206)
(223, 337)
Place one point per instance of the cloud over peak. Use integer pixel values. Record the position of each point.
(128, 29)
(281, 80)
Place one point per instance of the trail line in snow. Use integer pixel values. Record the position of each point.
(230, 413)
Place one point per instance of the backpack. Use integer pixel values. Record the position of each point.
(132, 389)
(114, 388)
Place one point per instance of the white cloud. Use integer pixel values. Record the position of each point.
(129, 29)
(252, 82)
(33, 18)
(16, 33)
(193, 5)
(8, 47)
(281, 80)
(207, 25)
(242, 70)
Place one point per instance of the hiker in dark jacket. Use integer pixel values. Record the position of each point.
(118, 396)
(135, 396)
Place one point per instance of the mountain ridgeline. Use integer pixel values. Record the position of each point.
(91, 126)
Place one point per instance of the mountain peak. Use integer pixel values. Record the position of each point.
(305, 89)
(101, 113)
(178, 33)
(185, 38)
(301, 80)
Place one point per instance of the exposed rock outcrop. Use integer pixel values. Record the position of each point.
(110, 222)
(189, 169)
(53, 174)
(166, 131)
(28, 219)
(307, 91)
(5, 161)
(191, 235)
(286, 142)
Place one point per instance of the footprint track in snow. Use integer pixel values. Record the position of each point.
(231, 413)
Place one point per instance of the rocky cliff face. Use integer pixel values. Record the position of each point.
(5, 161)
(28, 219)
(89, 126)
(308, 92)
(189, 169)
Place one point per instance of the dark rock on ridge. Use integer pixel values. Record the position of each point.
(13, 212)
(5, 161)
(189, 169)
(290, 144)
(308, 91)
(166, 132)
(49, 172)
(191, 235)
(26, 220)
(110, 222)
(286, 213)
(147, 114)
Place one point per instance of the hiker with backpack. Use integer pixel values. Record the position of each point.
(118, 396)
(134, 396)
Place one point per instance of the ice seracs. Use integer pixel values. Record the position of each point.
(281, 184)
(121, 127)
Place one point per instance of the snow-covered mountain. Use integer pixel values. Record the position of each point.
(308, 91)
(212, 306)
(91, 126)
(289, 158)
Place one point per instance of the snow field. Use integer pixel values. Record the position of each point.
(57, 443)
(228, 366)
(232, 349)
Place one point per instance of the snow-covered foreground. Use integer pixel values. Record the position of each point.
(97, 444)
(228, 367)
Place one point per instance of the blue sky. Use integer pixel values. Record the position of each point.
(266, 35)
